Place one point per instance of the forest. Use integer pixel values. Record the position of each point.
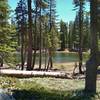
(43, 57)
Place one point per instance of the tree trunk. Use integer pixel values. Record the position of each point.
(45, 58)
(91, 71)
(50, 63)
(40, 56)
(27, 74)
(69, 46)
(22, 51)
(91, 66)
(35, 37)
(80, 36)
(51, 25)
(45, 45)
(22, 43)
(29, 58)
(34, 58)
(1, 63)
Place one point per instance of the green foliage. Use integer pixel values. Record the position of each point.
(8, 42)
(7, 33)
(74, 33)
(52, 39)
(4, 12)
(86, 32)
(63, 35)
(8, 82)
(99, 44)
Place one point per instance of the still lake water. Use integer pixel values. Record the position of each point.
(65, 57)
(68, 57)
(60, 57)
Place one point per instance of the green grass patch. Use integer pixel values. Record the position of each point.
(48, 89)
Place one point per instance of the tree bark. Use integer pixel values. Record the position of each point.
(50, 62)
(40, 56)
(91, 74)
(91, 65)
(1, 63)
(35, 36)
(22, 42)
(29, 58)
(22, 51)
(80, 36)
(51, 25)
(45, 59)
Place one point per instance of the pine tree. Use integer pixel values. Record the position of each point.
(80, 4)
(7, 33)
(75, 34)
(70, 35)
(52, 18)
(21, 18)
(86, 32)
(29, 56)
(4, 12)
(63, 35)
(35, 31)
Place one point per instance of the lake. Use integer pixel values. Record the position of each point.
(67, 57)
(61, 57)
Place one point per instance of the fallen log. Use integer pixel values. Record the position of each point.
(27, 74)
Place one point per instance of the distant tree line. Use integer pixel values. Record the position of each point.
(69, 34)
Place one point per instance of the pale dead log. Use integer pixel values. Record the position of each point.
(26, 74)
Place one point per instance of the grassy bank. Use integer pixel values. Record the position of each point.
(47, 89)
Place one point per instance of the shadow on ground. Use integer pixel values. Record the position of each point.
(53, 95)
